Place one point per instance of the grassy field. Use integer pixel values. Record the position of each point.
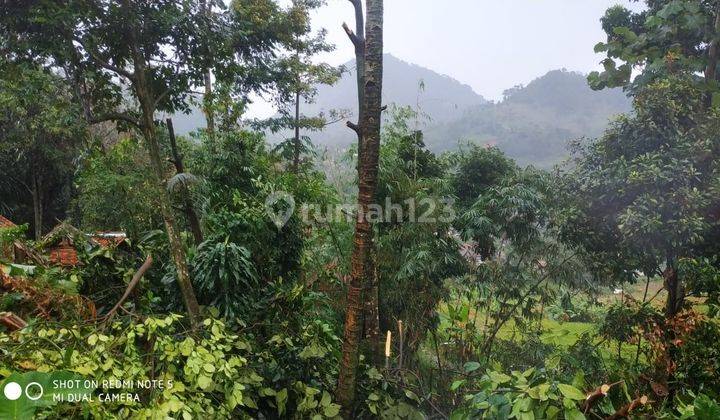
(565, 334)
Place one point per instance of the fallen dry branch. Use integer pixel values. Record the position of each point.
(624, 411)
(11, 321)
(133, 283)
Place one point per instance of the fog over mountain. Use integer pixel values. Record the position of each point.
(532, 124)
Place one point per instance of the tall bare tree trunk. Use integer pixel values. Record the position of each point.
(362, 251)
(176, 246)
(371, 311)
(146, 98)
(193, 219)
(713, 50)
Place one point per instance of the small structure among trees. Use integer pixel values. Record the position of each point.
(61, 245)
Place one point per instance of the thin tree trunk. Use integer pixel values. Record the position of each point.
(37, 205)
(713, 50)
(639, 343)
(371, 312)
(675, 289)
(370, 123)
(208, 97)
(673, 304)
(176, 246)
(296, 141)
(147, 103)
(190, 213)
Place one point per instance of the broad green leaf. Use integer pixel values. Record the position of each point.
(571, 392)
(471, 366)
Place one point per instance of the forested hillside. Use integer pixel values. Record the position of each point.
(535, 123)
(532, 124)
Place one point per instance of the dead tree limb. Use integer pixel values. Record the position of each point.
(189, 209)
(133, 283)
(624, 411)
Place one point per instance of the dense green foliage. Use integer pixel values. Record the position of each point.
(505, 291)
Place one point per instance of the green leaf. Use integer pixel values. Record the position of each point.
(281, 399)
(571, 392)
(457, 384)
(498, 378)
(574, 414)
(539, 392)
(471, 366)
(552, 412)
(326, 399)
(411, 395)
(332, 410)
(204, 382)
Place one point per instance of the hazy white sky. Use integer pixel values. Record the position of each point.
(491, 45)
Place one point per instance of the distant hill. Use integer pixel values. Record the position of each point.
(442, 96)
(532, 124)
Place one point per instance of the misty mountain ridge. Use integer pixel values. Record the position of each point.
(533, 124)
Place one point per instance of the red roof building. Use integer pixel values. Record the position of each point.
(108, 239)
(60, 243)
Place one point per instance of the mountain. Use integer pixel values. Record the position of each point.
(533, 124)
(442, 97)
(404, 84)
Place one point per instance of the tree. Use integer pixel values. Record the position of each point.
(646, 193)
(41, 135)
(368, 175)
(670, 37)
(154, 50)
(416, 248)
(298, 78)
(181, 180)
(114, 192)
(477, 168)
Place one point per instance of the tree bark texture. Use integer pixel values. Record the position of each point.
(371, 312)
(676, 291)
(37, 205)
(368, 172)
(208, 97)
